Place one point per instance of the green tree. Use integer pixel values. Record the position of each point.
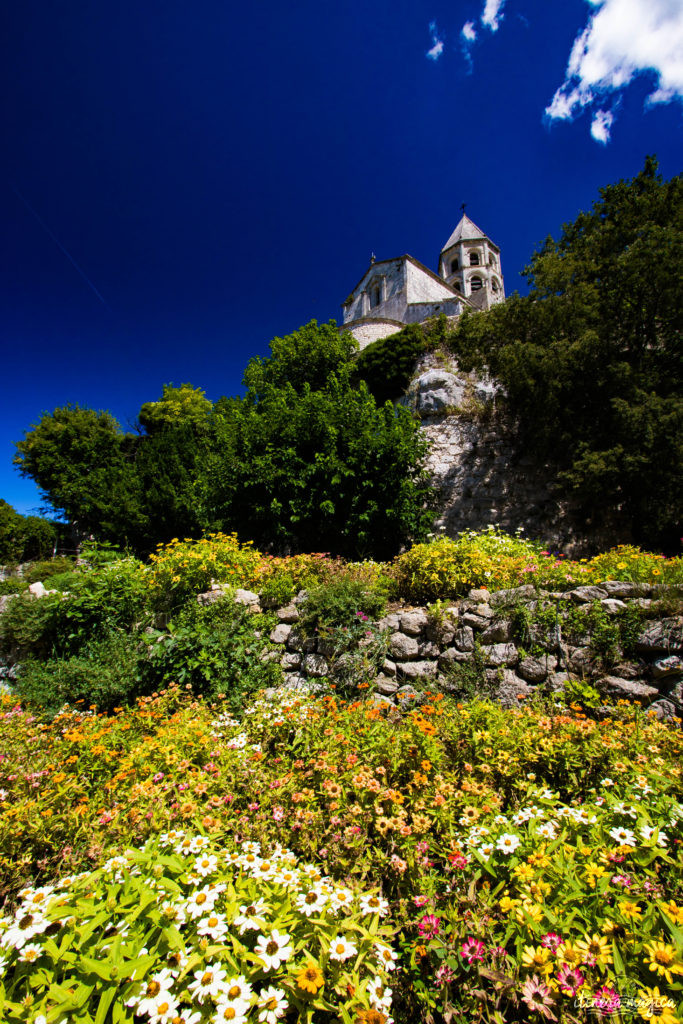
(185, 405)
(324, 470)
(591, 358)
(83, 464)
(307, 356)
(24, 538)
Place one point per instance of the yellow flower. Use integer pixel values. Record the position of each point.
(672, 910)
(652, 1005)
(663, 960)
(592, 872)
(525, 872)
(595, 950)
(630, 909)
(569, 954)
(537, 959)
(507, 904)
(310, 979)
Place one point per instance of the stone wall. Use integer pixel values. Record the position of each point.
(483, 476)
(481, 633)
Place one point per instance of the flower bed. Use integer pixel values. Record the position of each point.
(530, 860)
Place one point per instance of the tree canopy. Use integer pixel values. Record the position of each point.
(591, 358)
(306, 460)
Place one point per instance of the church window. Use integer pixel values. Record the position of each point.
(474, 259)
(374, 296)
(492, 260)
(494, 284)
(475, 284)
(455, 265)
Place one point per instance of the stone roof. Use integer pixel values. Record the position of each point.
(466, 230)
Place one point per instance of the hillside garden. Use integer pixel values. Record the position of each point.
(183, 840)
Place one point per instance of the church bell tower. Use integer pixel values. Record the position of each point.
(470, 263)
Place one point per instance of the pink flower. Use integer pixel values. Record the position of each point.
(158, 777)
(537, 997)
(570, 979)
(458, 860)
(552, 941)
(607, 1000)
(253, 807)
(428, 926)
(444, 975)
(420, 901)
(278, 813)
(472, 950)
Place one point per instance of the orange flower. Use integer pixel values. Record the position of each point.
(310, 979)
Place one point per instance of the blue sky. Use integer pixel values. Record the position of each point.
(182, 182)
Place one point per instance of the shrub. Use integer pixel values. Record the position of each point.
(24, 537)
(387, 366)
(103, 675)
(42, 571)
(182, 569)
(185, 929)
(217, 650)
(339, 603)
(99, 601)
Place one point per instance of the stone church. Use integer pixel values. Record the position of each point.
(395, 292)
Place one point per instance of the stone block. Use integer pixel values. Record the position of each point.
(453, 656)
(627, 689)
(248, 598)
(413, 623)
(402, 647)
(665, 636)
(385, 685)
(612, 605)
(290, 661)
(514, 595)
(585, 595)
(417, 669)
(499, 654)
(288, 614)
(666, 667)
(535, 670)
(463, 638)
(315, 665)
(429, 650)
(498, 632)
(280, 634)
(510, 691)
(664, 710)
(389, 667)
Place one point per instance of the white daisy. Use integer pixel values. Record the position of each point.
(206, 864)
(373, 905)
(273, 1005)
(386, 956)
(30, 953)
(310, 902)
(201, 901)
(379, 995)
(341, 948)
(208, 982)
(233, 1010)
(508, 843)
(272, 950)
(215, 926)
(623, 836)
(648, 833)
(252, 916)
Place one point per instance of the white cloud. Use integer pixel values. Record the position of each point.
(491, 15)
(468, 31)
(437, 44)
(601, 126)
(622, 39)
